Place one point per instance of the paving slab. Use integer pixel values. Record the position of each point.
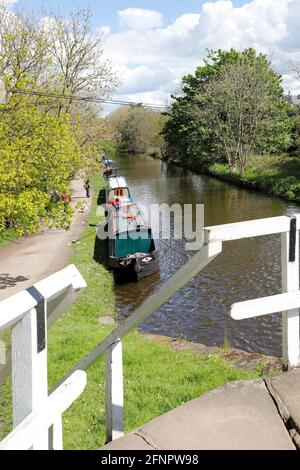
(240, 415)
(132, 441)
(287, 387)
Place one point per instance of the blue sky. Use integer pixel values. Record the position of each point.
(105, 12)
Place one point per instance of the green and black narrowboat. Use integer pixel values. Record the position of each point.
(131, 247)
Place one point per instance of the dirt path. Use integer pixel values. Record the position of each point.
(29, 259)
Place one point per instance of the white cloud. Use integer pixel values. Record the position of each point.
(7, 3)
(152, 58)
(143, 79)
(140, 19)
(184, 24)
(105, 30)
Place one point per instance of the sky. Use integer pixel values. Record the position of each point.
(152, 44)
(105, 12)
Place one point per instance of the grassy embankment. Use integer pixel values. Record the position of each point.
(277, 175)
(7, 237)
(157, 378)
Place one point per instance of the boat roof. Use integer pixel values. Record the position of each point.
(121, 222)
(117, 182)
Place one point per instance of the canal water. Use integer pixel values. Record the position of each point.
(246, 269)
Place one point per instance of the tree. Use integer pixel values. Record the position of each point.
(295, 69)
(24, 57)
(232, 107)
(244, 107)
(188, 137)
(78, 58)
(294, 115)
(38, 158)
(43, 142)
(138, 129)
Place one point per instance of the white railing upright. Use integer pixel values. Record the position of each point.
(40, 423)
(112, 346)
(114, 396)
(288, 227)
(290, 283)
(26, 312)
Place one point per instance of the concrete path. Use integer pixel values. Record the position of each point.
(29, 259)
(242, 415)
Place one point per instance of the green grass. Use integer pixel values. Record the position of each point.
(7, 237)
(277, 175)
(156, 377)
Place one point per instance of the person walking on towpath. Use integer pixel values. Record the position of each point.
(87, 188)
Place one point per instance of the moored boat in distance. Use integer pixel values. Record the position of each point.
(131, 248)
(109, 167)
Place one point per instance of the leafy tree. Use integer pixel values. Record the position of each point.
(23, 51)
(187, 134)
(77, 58)
(295, 135)
(44, 144)
(244, 107)
(232, 107)
(38, 158)
(138, 129)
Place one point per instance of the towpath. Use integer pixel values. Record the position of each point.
(29, 259)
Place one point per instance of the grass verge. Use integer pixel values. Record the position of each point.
(156, 378)
(7, 237)
(277, 175)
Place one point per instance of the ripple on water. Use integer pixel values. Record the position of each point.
(246, 269)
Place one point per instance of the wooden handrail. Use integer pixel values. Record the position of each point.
(150, 305)
(17, 306)
(27, 312)
(26, 433)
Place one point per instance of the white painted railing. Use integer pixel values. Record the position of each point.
(35, 414)
(31, 432)
(214, 236)
(111, 345)
(288, 301)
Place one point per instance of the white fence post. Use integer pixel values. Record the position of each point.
(26, 312)
(114, 399)
(29, 368)
(56, 435)
(290, 283)
(24, 435)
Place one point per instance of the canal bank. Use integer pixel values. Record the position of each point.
(274, 175)
(157, 377)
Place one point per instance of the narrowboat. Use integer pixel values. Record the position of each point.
(131, 247)
(109, 167)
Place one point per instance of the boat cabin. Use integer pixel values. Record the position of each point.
(117, 193)
(130, 232)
